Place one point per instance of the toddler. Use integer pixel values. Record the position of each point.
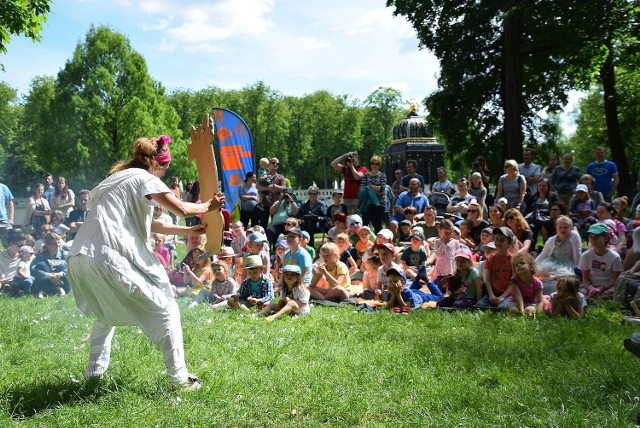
(22, 277)
(159, 250)
(568, 300)
(444, 249)
(364, 241)
(370, 277)
(294, 296)
(264, 179)
(256, 290)
(222, 287)
(526, 289)
(338, 207)
(201, 275)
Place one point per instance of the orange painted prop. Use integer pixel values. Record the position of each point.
(201, 150)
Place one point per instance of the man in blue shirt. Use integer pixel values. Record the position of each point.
(606, 174)
(6, 214)
(411, 198)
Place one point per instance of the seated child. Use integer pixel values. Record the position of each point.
(568, 300)
(364, 241)
(256, 290)
(222, 287)
(304, 243)
(201, 276)
(414, 255)
(444, 249)
(331, 280)
(370, 277)
(600, 265)
(469, 290)
(582, 208)
(486, 236)
(498, 270)
(160, 250)
(294, 296)
(256, 247)
(404, 234)
(526, 289)
(455, 292)
(23, 278)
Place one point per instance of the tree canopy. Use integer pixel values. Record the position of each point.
(22, 17)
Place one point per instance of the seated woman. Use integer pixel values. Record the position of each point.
(520, 228)
(478, 223)
(330, 279)
(49, 268)
(556, 209)
(560, 255)
(313, 214)
(496, 216)
(460, 201)
(539, 211)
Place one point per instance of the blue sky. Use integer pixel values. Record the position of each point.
(296, 47)
(348, 47)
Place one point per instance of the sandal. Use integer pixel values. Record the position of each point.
(405, 310)
(397, 310)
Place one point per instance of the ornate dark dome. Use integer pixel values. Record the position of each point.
(413, 128)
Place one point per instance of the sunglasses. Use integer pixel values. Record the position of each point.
(353, 224)
(375, 163)
(472, 211)
(313, 193)
(509, 217)
(554, 209)
(275, 163)
(289, 224)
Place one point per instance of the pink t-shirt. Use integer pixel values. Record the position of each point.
(528, 291)
(445, 260)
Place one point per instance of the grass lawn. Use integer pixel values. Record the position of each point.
(333, 367)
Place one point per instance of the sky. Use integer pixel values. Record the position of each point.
(297, 47)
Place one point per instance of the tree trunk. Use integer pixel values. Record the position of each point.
(513, 86)
(616, 145)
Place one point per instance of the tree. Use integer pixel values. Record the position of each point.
(382, 110)
(22, 17)
(105, 99)
(503, 62)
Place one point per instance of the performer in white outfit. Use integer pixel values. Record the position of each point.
(113, 273)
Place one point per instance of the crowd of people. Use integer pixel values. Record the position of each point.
(386, 244)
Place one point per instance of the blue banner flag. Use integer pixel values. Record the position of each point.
(236, 152)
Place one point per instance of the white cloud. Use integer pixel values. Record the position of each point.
(199, 26)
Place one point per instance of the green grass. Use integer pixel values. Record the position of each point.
(333, 367)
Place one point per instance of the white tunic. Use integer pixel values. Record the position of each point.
(127, 279)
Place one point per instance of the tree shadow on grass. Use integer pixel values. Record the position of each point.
(25, 401)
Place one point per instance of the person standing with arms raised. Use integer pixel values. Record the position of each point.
(352, 173)
(115, 276)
